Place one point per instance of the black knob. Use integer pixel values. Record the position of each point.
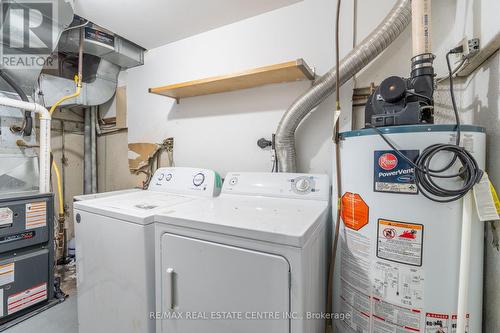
(264, 143)
(392, 89)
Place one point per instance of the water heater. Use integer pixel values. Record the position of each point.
(399, 253)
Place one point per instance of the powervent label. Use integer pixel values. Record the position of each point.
(394, 174)
(36, 215)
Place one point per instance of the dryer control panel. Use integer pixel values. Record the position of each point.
(191, 181)
(280, 185)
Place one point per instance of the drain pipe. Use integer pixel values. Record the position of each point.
(44, 169)
(90, 151)
(387, 31)
(464, 272)
(87, 161)
(93, 148)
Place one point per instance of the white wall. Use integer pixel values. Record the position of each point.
(480, 104)
(452, 21)
(220, 131)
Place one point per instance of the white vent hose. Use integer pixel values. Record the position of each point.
(387, 31)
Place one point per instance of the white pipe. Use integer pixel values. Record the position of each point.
(44, 137)
(421, 26)
(93, 147)
(463, 281)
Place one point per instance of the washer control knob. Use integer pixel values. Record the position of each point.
(198, 179)
(302, 185)
(168, 177)
(161, 176)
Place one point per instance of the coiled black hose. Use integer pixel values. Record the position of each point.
(425, 176)
(28, 120)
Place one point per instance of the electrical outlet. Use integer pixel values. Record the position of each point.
(472, 47)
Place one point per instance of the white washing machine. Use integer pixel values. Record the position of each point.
(115, 249)
(252, 260)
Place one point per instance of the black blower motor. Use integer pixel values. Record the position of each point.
(402, 101)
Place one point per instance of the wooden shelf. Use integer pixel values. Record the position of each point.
(284, 72)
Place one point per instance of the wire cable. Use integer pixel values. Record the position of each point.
(428, 99)
(425, 175)
(329, 325)
(452, 94)
(77, 26)
(27, 126)
(455, 71)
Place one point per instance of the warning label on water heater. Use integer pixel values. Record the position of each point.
(393, 173)
(400, 242)
(437, 323)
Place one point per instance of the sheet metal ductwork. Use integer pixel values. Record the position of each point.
(97, 91)
(105, 55)
(27, 77)
(391, 27)
(103, 44)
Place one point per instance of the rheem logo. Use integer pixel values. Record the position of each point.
(388, 161)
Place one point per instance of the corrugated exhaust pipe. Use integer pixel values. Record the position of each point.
(387, 31)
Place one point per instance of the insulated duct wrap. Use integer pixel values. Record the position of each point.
(387, 31)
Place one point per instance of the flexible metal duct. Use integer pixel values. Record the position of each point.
(392, 26)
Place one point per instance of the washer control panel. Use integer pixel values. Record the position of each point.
(191, 181)
(284, 185)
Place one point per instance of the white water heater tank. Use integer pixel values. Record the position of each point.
(398, 259)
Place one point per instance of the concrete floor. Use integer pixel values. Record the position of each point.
(61, 318)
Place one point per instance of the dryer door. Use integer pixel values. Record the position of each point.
(224, 289)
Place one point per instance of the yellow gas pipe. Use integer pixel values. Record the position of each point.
(54, 165)
(78, 81)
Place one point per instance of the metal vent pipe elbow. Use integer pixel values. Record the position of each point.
(385, 33)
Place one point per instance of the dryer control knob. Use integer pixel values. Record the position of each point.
(302, 185)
